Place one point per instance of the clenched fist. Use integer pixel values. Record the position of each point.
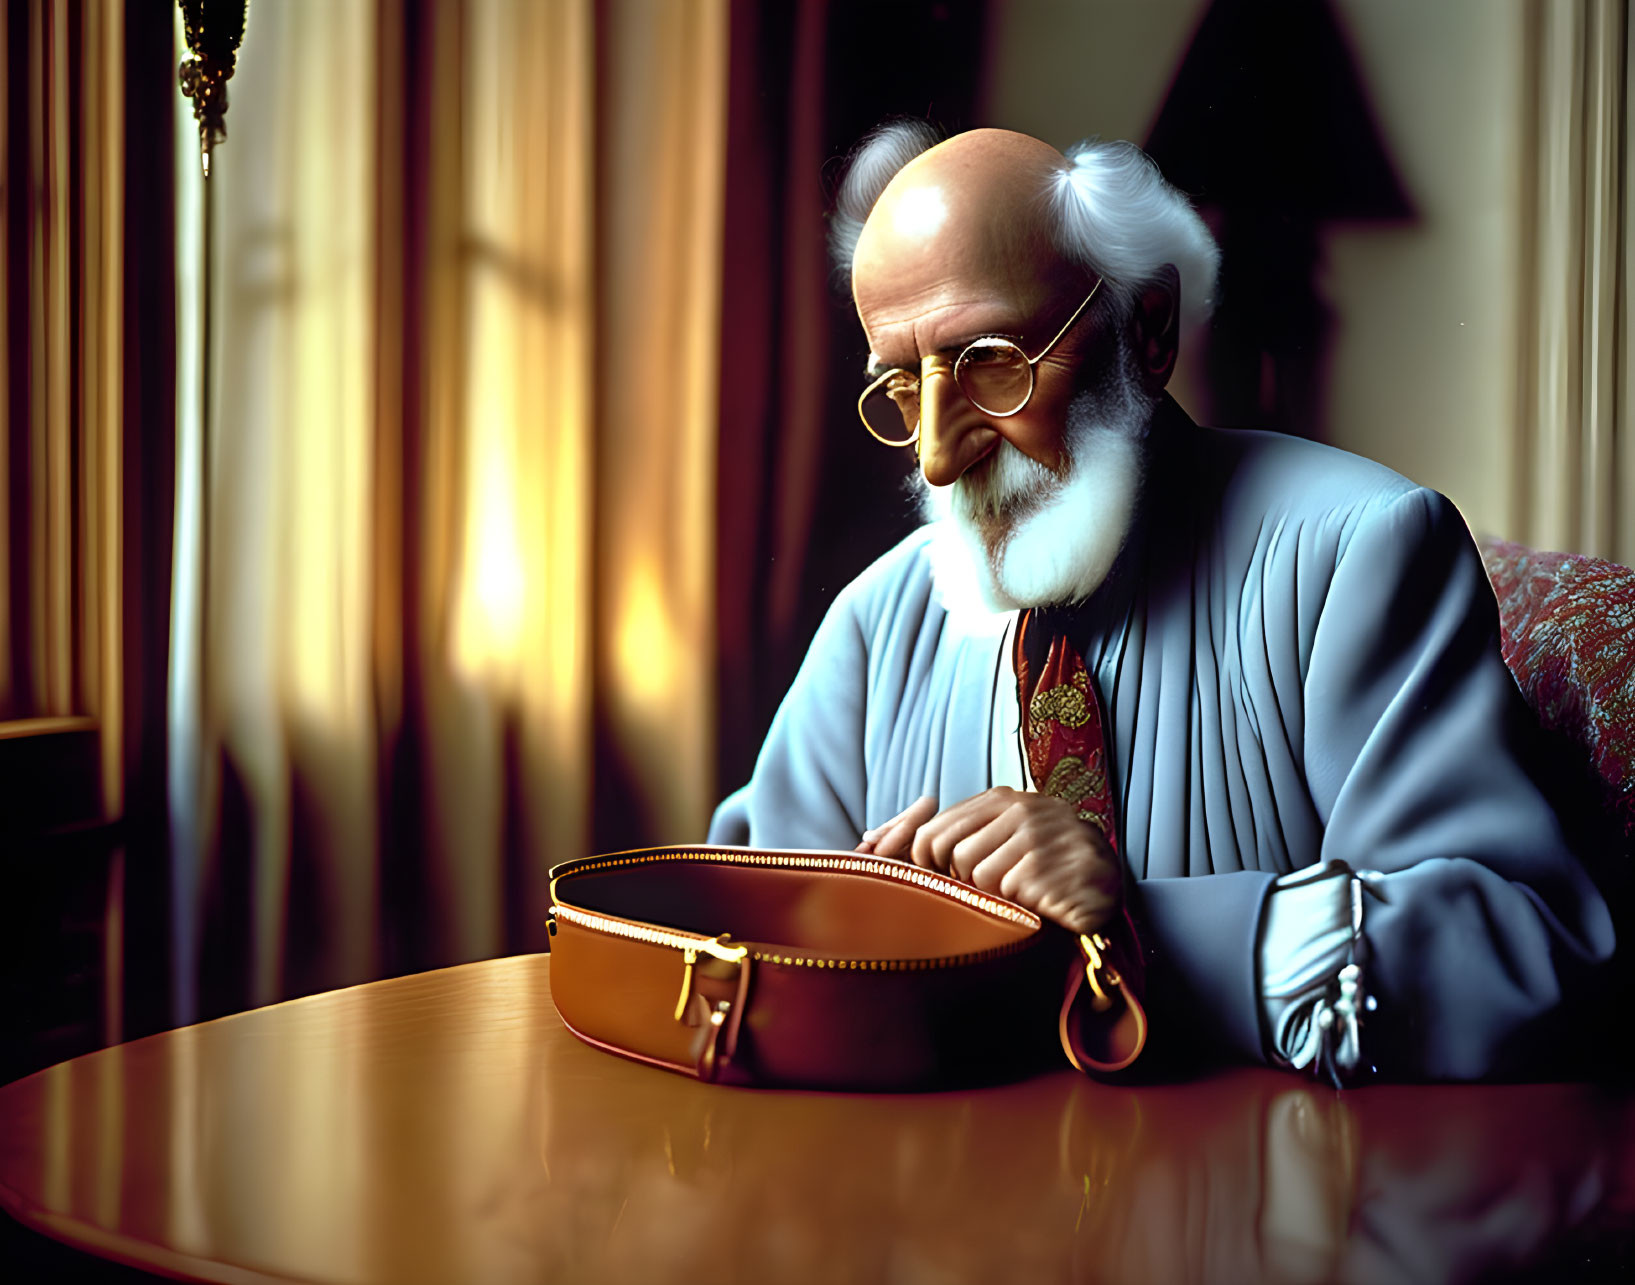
(1029, 848)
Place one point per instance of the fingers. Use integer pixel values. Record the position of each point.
(892, 838)
(1022, 823)
(981, 846)
(1029, 848)
(991, 870)
(1080, 890)
(960, 829)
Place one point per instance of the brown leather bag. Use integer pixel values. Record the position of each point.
(827, 970)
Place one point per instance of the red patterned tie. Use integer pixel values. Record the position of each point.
(1062, 728)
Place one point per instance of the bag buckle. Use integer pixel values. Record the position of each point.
(719, 981)
(718, 948)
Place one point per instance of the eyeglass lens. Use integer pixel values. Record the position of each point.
(892, 409)
(993, 373)
(996, 375)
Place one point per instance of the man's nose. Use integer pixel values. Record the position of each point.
(954, 434)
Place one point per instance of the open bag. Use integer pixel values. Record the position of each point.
(832, 970)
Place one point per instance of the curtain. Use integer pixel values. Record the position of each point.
(85, 465)
(1574, 438)
(662, 105)
(61, 354)
(774, 355)
(446, 544)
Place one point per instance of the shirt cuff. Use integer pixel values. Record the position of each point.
(1311, 962)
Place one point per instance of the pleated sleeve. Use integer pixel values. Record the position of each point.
(1423, 763)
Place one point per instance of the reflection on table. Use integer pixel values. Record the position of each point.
(445, 1128)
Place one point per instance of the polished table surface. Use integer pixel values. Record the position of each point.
(446, 1128)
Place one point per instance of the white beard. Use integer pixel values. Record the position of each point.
(1064, 531)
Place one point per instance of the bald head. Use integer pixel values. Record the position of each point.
(973, 204)
(1103, 206)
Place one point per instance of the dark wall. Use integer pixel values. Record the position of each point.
(807, 498)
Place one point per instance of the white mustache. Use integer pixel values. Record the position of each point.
(1004, 483)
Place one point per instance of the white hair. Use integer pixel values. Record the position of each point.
(1111, 212)
(1115, 215)
(874, 163)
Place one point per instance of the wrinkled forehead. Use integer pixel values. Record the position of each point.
(945, 224)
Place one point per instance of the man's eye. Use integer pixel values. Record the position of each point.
(990, 352)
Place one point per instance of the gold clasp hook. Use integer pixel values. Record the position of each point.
(1097, 970)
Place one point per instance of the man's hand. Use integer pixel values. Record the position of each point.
(1029, 848)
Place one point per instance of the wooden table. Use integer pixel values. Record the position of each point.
(446, 1128)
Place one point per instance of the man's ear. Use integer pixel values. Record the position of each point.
(1156, 323)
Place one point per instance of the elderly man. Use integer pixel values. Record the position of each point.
(1247, 687)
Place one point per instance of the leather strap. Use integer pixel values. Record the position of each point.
(1103, 1023)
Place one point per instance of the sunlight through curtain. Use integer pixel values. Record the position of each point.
(459, 512)
(657, 371)
(277, 713)
(1575, 434)
(513, 422)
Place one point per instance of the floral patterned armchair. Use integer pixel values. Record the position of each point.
(1567, 624)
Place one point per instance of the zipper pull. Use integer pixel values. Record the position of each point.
(689, 957)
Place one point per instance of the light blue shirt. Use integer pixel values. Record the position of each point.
(1298, 653)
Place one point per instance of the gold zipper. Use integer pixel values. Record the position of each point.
(692, 943)
(685, 942)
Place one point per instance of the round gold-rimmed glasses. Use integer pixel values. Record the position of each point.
(995, 375)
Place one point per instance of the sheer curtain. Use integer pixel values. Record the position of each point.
(1574, 438)
(454, 547)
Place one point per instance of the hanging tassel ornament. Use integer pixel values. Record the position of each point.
(214, 30)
